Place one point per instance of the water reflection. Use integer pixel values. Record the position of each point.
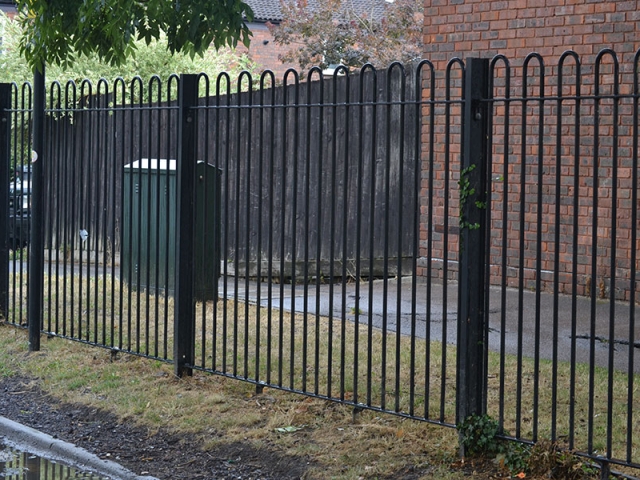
(18, 465)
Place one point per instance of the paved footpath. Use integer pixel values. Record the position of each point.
(326, 300)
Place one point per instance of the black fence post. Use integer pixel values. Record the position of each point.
(472, 351)
(36, 234)
(184, 305)
(5, 160)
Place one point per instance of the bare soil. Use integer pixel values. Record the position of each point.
(160, 454)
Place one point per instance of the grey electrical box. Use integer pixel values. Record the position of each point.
(149, 209)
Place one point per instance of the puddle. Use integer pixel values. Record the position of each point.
(19, 465)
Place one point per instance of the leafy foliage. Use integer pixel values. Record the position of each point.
(149, 59)
(335, 33)
(59, 31)
(478, 434)
(479, 437)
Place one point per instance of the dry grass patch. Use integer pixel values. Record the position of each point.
(307, 353)
(222, 410)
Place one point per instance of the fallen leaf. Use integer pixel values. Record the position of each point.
(289, 429)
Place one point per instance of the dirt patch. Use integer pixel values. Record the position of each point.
(159, 453)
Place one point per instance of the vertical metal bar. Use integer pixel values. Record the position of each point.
(614, 240)
(415, 234)
(152, 174)
(332, 228)
(344, 228)
(5, 158)
(48, 152)
(372, 222)
(634, 256)
(36, 244)
(471, 383)
(100, 227)
(417, 174)
(523, 198)
(364, 72)
(429, 227)
(107, 335)
(248, 137)
(488, 215)
(18, 117)
(184, 319)
(294, 228)
(89, 132)
(415, 227)
(127, 238)
(283, 224)
(386, 233)
(540, 171)
(155, 207)
(139, 217)
(322, 110)
(574, 255)
(173, 87)
(261, 168)
(223, 146)
(307, 223)
(202, 209)
(505, 222)
(556, 252)
(69, 228)
(55, 166)
(236, 237)
(116, 214)
(445, 235)
(79, 181)
(122, 115)
(594, 252)
(270, 246)
(401, 227)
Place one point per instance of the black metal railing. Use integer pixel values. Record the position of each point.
(424, 243)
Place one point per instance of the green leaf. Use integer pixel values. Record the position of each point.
(54, 29)
(289, 429)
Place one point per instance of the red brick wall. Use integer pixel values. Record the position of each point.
(264, 51)
(515, 28)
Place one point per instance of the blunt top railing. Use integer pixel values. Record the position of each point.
(335, 228)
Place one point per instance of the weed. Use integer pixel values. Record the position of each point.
(466, 191)
(479, 436)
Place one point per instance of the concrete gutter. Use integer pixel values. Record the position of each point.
(30, 440)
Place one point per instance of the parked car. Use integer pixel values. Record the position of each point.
(20, 207)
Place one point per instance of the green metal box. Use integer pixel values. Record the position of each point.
(148, 229)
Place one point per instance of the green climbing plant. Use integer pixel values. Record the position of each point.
(466, 191)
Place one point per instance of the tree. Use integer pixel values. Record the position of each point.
(336, 32)
(58, 31)
(152, 59)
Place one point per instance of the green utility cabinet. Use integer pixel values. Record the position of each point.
(149, 222)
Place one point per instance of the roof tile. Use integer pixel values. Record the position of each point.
(269, 10)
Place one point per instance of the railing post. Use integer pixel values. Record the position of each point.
(472, 351)
(5, 158)
(184, 305)
(36, 232)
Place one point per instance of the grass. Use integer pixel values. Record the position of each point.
(312, 354)
(224, 410)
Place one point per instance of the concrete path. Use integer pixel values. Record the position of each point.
(326, 300)
(592, 332)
